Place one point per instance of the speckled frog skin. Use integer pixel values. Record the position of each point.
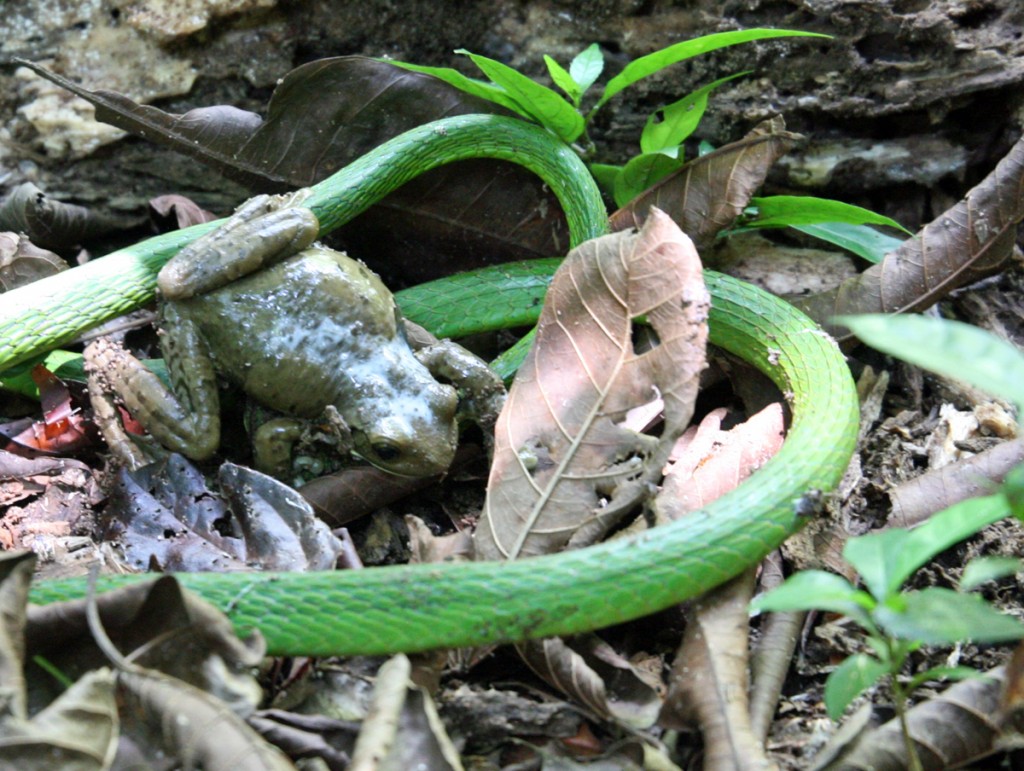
(305, 331)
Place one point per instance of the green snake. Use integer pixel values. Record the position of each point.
(421, 607)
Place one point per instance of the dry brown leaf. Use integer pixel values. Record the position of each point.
(709, 680)
(968, 242)
(563, 469)
(708, 193)
(956, 729)
(594, 674)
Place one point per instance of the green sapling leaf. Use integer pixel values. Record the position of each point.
(888, 558)
(939, 616)
(669, 126)
(605, 174)
(942, 346)
(985, 569)
(586, 68)
(542, 104)
(639, 173)
(944, 673)
(564, 80)
(856, 674)
(472, 86)
(863, 240)
(659, 60)
(778, 211)
(817, 590)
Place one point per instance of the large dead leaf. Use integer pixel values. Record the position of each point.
(708, 193)
(563, 469)
(971, 240)
(327, 113)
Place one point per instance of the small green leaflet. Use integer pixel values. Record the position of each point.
(540, 103)
(940, 616)
(564, 80)
(587, 67)
(655, 62)
(852, 677)
(669, 126)
(639, 173)
(472, 86)
(951, 348)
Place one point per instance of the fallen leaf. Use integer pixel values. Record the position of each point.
(563, 469)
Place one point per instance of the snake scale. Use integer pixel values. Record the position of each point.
(421, 607)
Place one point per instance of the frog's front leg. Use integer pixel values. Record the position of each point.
(481, 391)
(264, 230)
(184, 419)
(278, 442)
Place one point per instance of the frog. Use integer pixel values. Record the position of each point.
(305, 331)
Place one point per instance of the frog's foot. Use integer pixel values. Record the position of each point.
(481, 391)
(105, 413)
(192, 430)
(263, 231)
(286, 447)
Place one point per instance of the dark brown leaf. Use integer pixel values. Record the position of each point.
(708, 193)
(48, 222)
(971, 240)
(327, 113)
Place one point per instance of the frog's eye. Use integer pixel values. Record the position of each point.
(385, 451)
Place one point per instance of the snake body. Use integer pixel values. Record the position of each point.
(421, 607)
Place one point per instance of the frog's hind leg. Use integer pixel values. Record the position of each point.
(185, 420)
(264, 230)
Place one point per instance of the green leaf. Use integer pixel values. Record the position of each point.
(945, 346)
(945, 673)
(605, 174)
(472, 86)
(586, 68)
(816, 590)
(779, 211)
(851, 678)
(640, 173)
(543, 104)
(862, 240)
(667, 127)
(888, 558)
(941, 616)
(655, 62)
(985, 569)
(564, 80)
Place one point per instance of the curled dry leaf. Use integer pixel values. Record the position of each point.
(22, 262)
(709, 192)
(564, 469)
(971, 240)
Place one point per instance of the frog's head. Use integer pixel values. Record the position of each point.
(418, 435)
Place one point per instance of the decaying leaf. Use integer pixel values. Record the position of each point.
(48, 222)
(592, 673)
(402, 728)
(709, 192)
(971, 240)
(955, 729)
(191, 725)
(258, 522)
(709, 681)
(563, 469)
(22, 262)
